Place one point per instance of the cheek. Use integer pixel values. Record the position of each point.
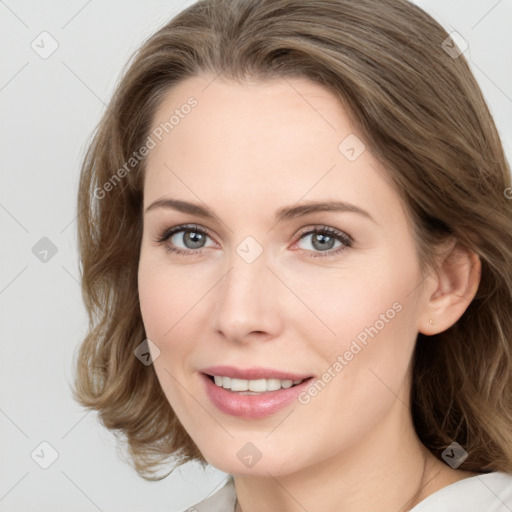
(370, 355)
(372, 323)
(165, 295)
(158, 303)
(163, 303)
(153, 301)
(362, 301)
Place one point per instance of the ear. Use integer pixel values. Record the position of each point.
(450, 289)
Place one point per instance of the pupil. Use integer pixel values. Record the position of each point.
(324, 241)
(194, 238)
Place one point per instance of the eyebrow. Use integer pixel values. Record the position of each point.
(284, 213)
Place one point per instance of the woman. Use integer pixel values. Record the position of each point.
(297, 260)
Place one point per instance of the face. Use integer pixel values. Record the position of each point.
(253, 287)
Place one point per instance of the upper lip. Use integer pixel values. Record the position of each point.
(252, 373)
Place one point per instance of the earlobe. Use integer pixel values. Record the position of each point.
(458, 278)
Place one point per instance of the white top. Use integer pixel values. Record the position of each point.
(490, 492)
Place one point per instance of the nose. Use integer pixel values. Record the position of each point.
(247, 305)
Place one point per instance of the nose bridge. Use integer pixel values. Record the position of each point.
(246, 297)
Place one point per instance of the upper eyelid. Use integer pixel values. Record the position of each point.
(323, 227)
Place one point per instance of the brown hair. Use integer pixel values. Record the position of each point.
(421, 114)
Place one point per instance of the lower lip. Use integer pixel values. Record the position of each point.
(251, 406)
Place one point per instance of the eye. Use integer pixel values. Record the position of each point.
(192, 238)
(323, 241)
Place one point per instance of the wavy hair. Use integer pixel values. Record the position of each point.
(422, 114)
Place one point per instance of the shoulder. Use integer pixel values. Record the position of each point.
(482, 493)
(490, 492)
(224, 500)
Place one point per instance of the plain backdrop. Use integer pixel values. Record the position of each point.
(50, 105)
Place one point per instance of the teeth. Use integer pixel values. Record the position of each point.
(256, 386)
(239, 385)
(273, 384)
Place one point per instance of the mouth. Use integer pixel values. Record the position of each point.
(252, 394)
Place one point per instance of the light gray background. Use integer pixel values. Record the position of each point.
(49, 109)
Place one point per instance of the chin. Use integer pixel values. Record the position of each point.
(247, 460)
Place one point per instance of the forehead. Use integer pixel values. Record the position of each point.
(279, 141)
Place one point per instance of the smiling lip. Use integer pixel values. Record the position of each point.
(252, 373)
(251, 406)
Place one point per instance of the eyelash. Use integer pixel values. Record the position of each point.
(346, 240)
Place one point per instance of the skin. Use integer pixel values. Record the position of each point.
(245, 151)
